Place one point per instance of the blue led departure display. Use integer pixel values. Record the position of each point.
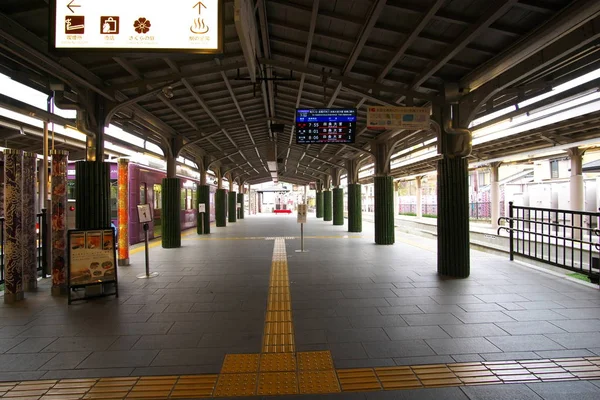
(325, 125)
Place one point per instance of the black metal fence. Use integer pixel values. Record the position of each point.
(41, 242)
(563, 238)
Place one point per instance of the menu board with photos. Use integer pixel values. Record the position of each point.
(92, 258)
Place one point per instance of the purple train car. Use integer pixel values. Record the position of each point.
(145, 187)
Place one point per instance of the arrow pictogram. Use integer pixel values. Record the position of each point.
(198, 4)
(70, 6)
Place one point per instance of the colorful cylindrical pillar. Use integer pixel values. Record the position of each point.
(123, 212)
(29, 246)
(13, 225)
(59, 222)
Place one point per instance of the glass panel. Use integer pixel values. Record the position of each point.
(71, 189)
(157, 209)
(143, 193)
(194, 199)
(114, 193)
(183, 199)
(157, 196)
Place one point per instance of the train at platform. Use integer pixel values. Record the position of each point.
(145, 188)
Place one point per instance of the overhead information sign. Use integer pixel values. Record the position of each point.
(138, 25)
(398, 117)
(325, 125)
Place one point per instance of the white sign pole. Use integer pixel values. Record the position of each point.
(302, 208)
(145, 216)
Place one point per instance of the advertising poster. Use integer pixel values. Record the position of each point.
(92, 257)
(398, 117)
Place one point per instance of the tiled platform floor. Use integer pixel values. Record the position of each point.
(371, 306)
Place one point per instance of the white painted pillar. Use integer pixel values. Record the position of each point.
(576, 199)
(495, 195)
(419, 197)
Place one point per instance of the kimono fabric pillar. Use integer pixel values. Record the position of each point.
(171, 209)
(204, 198)
(240, 200)
(92, 195)
(327, 206)
(354, 208)
(384, 210)
(59, 221)
(123, 212)
(319, 199)
(338, 206)
(13, 225)
(220, 207)
(29, 248)
(232, 206)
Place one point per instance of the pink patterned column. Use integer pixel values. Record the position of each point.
(59, 222)
(123, 212)
(29, 242)
(13, 237)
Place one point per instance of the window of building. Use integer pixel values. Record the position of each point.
(554, 169)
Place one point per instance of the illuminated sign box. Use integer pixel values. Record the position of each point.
(325, 125)
(137, 26)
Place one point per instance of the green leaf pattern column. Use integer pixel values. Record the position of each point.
(220, 200)
(92, 195)
(240, 199)
(232, 206)
(453, 217)
(327, 206)
(319, 198)
(338, 206)
(204, 198)
(171, 213)
(354, 208)
(384, 210)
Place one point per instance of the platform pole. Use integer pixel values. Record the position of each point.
(123, 212)
(13, 226)
(171, 213)
(30, 255)
(338, 206)
(327, 205)
(384, 210)
(58, 221)
(240, 199)
(220, 207)
(204, 198)
(354, 208)
(319, 201)
(232, 201)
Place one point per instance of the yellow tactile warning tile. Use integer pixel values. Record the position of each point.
(279, 316)
(277, 383)
(318, 382)
(194, 386)
(277, 362)
(315, 361)
(436, 375)
(352, 380)
(395, 378)
(237, 363)
(231, 385)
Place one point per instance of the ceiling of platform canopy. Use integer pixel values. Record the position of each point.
(318, 53)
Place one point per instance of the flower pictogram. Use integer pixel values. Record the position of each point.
(142, 25)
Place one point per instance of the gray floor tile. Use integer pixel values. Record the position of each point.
(32, 345)
(510, 356)
(124, 343)
(68, 360)
(424, 360)
(578, 325)
(334, 323)
(353, 311)
(440, 308)
(159, 342)
(119, 359)
(356, 335)
(368, 293)
(535, 315)
(461, 345)
(376, 321)
(566, 390)
(409, 301)
(310, 337)
(7, 344)
(482, 317)
(500, 392)
(456, 299)
(180, 357)
(347, 351)
(23, 362)
(90, 343)
(524, 343)
(87, 373)
(21, 376)
(177, 370)
(364, 363)
(462, 358)
(416, 332)
(473, 330)
(565, 353)
(574, 340)
(398, 310)
(431, 319)
(529, 327)
(398, 349)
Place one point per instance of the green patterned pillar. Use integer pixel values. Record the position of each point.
(240, 199)
(220, 199)
(453, 217)
(338, 206)
(204, 198)
(232, 206)
(319, 198)
(171, 213)
(327, 206)
(92, 195)
(384, 210)
(354, 207)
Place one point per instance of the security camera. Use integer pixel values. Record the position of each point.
(168, 92)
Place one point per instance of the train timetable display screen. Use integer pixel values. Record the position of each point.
(325, 125)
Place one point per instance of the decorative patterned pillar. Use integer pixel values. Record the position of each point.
(240, 199)
(232, 198)
(13, 225)
(29, 219)
(220, 216)
(59, 221)
(123, 212)
(171, 213)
